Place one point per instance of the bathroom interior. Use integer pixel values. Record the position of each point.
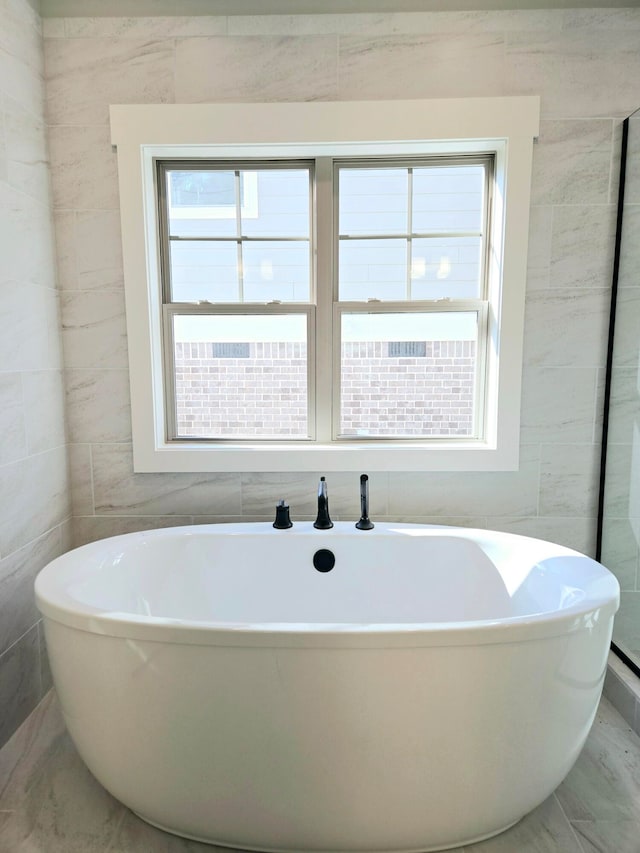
(66, 460)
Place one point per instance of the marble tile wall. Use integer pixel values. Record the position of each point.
(622, 689)
(585, 64)
(34, 480)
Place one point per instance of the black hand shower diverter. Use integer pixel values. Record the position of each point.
(282, 522)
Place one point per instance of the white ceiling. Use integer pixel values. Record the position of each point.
(130, 8)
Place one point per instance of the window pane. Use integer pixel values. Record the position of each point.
(202, 203)
(408, 375)
(241, 376)
(448, 198)
(373, 201)
(373, 269)
(446, 266)
(281, 207)
(204, 271)
(276, 270)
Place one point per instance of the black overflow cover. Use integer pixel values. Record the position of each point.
(324, 560)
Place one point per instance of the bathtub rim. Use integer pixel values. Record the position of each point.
(55, 605)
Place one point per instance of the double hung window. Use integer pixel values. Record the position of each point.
(245, 267)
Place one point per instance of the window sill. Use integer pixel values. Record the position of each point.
(349, 456)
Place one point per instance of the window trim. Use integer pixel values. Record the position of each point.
(506, 126)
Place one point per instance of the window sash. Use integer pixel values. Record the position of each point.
(479, 307)
(165, 238)
(487, 161)
(177, 309)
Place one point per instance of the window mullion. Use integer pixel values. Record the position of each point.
(239, 236)
(325, 288)
(409, 228)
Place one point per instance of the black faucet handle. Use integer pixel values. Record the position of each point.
(282, 522)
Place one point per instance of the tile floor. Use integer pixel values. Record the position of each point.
(50, 803)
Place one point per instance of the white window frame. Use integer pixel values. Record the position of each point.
(503, 126)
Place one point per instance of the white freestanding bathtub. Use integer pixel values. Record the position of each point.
(429, 690)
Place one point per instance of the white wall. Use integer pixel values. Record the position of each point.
(34, 491)
(586, 66)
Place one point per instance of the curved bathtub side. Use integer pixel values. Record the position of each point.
(215, 583)
(330, 749)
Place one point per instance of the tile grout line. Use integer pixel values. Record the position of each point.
(116, 832)
(569, 824)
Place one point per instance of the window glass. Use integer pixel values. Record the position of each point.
(201, 203)
(373, 201)
(444, 267)
(282, 205)
(448, 198)
(373, 269)
(408, 375)
(276, 270)
(204, 270)
(241, 376)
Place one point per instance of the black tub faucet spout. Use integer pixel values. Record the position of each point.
(323, 522)
(365, 522)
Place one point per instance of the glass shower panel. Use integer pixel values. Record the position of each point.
(620, 548)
